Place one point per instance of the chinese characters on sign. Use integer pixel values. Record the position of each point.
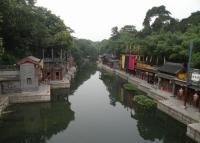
(195, 77)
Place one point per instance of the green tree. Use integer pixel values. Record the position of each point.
(31, 29)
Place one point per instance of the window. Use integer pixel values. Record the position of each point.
(29, 81)
(57, 75)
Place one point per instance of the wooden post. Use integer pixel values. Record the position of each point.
(43, 53)
(185, 96)
(173, 88)
(61, 54)
(52, 53)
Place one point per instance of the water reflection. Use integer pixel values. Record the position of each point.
(37, 123)
(100, 110)
(153, 126)
(84, 73)
(34, 123)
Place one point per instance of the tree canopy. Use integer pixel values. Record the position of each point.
(161, 37)
(26, 29)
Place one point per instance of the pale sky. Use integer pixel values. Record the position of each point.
(93, 19)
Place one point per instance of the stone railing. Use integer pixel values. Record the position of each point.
(9, 67)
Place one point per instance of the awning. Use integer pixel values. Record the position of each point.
(184, 83)
(165, 76)
(152, 70)
(171, 68)
(181, 83)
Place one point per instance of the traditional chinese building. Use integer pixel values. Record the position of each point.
(57, 70)
(30, 73)
(167, 74)
(25, 76)
(21, 83)
(146, 72)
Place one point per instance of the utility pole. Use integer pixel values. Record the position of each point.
(190, 58)
(188, 72)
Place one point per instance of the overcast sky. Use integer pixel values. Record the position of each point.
(93, 19)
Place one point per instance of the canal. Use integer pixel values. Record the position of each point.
(95, 110)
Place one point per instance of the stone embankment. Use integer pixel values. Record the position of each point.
(42, 94)
(166, 102)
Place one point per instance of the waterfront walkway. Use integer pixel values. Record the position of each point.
(190, 116)
(170, 98)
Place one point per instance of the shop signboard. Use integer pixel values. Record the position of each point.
(195, 75)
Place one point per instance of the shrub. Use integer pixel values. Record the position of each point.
(129, 86)
(144, 101)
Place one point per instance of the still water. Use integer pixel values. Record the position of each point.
(97, 110)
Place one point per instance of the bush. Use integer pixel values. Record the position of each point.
(129, 86)
(144, 101)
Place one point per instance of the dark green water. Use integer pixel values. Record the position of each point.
(98, 111)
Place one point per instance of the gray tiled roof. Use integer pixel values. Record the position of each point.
(171, 68)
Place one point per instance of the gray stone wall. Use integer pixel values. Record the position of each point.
(28, 77)
(29, 98)
(10, 86)
(193, 131)
(4, 102)
(9, 73)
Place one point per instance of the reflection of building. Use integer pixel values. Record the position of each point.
(126, 97)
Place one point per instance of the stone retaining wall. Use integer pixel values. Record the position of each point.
(14, 73)
(168, 109)
(192, 131)
(30, 98)
(4, 102)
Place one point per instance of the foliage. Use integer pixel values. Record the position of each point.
(129, 87)
(27, 29)
(163, 37)
(144, 101)
(120, 41)
(161, 16)
(84, 50)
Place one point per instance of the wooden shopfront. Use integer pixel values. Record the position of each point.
(147, 73)
(167, 75)
(192, 91)
(166, 82)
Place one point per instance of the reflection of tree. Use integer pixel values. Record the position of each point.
(148, 125)
(59, 94)
(35, 123)
(152, 125)
(113, 84)
(157, 125)
(84, 72)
